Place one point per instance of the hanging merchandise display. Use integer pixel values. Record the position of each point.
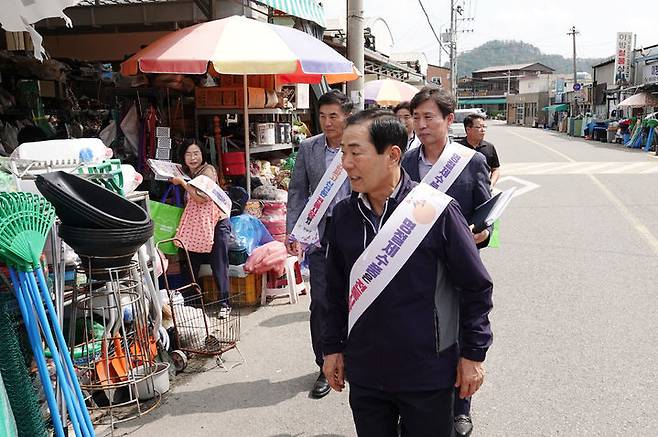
(130, 129)
(148, 145)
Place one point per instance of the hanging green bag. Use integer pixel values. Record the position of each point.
(494, 241)
(165, 220)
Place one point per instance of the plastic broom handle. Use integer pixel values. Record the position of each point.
(72, 406)
(64, 347)
(39, 357)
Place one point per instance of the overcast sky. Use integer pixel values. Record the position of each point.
(542, 23)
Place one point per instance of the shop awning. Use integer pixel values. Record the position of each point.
(307, 9)
(563, 107)
(467, 101)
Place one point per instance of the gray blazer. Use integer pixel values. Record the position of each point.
(309, 169)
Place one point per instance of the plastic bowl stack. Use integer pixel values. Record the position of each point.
(103, 228)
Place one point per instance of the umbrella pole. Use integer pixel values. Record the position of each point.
(245, 93)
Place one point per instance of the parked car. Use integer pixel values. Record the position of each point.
(457, 129)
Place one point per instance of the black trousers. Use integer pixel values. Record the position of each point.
(217, 258)
(423, 414)
(317, 263)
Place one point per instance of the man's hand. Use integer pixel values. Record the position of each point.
(270, 256)
(334, 371)
(470, 375)
(480, 236)
(294, 247)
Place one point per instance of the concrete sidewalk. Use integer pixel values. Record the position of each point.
(267, 395)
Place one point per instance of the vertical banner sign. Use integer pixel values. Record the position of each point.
(623, 56)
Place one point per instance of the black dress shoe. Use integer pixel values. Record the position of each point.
(321, 387)
(463, 425)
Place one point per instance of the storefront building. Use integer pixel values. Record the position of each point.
(527, 109)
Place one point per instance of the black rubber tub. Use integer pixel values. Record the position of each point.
(82, 203)
(105, 248)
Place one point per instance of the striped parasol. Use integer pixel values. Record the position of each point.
(238, 45)
(388, 92)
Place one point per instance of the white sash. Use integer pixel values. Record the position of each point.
(392, 246)
(306, 228)
(214, 192)
(451, 163)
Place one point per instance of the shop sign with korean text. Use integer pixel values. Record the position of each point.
(623, 56)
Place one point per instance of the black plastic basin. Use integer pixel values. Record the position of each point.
(104, 248)
(79, 202)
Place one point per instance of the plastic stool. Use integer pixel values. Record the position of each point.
(291, 289)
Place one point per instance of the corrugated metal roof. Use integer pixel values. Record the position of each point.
(510, 67)
(604, 62)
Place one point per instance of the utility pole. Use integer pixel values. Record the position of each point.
(453, 61)
(573, 34)
(355, 50)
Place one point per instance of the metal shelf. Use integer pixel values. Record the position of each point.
(262, 148)
(254, 111)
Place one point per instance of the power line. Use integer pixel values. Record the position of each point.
(432, 27)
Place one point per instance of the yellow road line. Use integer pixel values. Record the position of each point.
(568, 158)
(644, 232)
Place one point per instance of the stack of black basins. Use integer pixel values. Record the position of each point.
(102, 227)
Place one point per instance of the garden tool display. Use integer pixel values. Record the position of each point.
(25, 221)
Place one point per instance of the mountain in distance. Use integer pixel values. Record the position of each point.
(499, 52)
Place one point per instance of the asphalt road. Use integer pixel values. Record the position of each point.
(575, 315)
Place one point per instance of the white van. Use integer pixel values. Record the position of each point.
(457, 129)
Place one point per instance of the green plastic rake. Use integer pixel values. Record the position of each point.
(25, 220)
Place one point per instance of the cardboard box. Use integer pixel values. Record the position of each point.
(220, 98)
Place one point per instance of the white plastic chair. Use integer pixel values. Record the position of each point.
(291, 290)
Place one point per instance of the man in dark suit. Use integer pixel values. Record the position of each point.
(433, 111)
(313, 158)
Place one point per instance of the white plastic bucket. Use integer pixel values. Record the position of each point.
(266, 133)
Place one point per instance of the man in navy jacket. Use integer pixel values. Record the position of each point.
(401, 357)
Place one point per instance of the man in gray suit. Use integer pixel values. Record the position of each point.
(314, 156)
